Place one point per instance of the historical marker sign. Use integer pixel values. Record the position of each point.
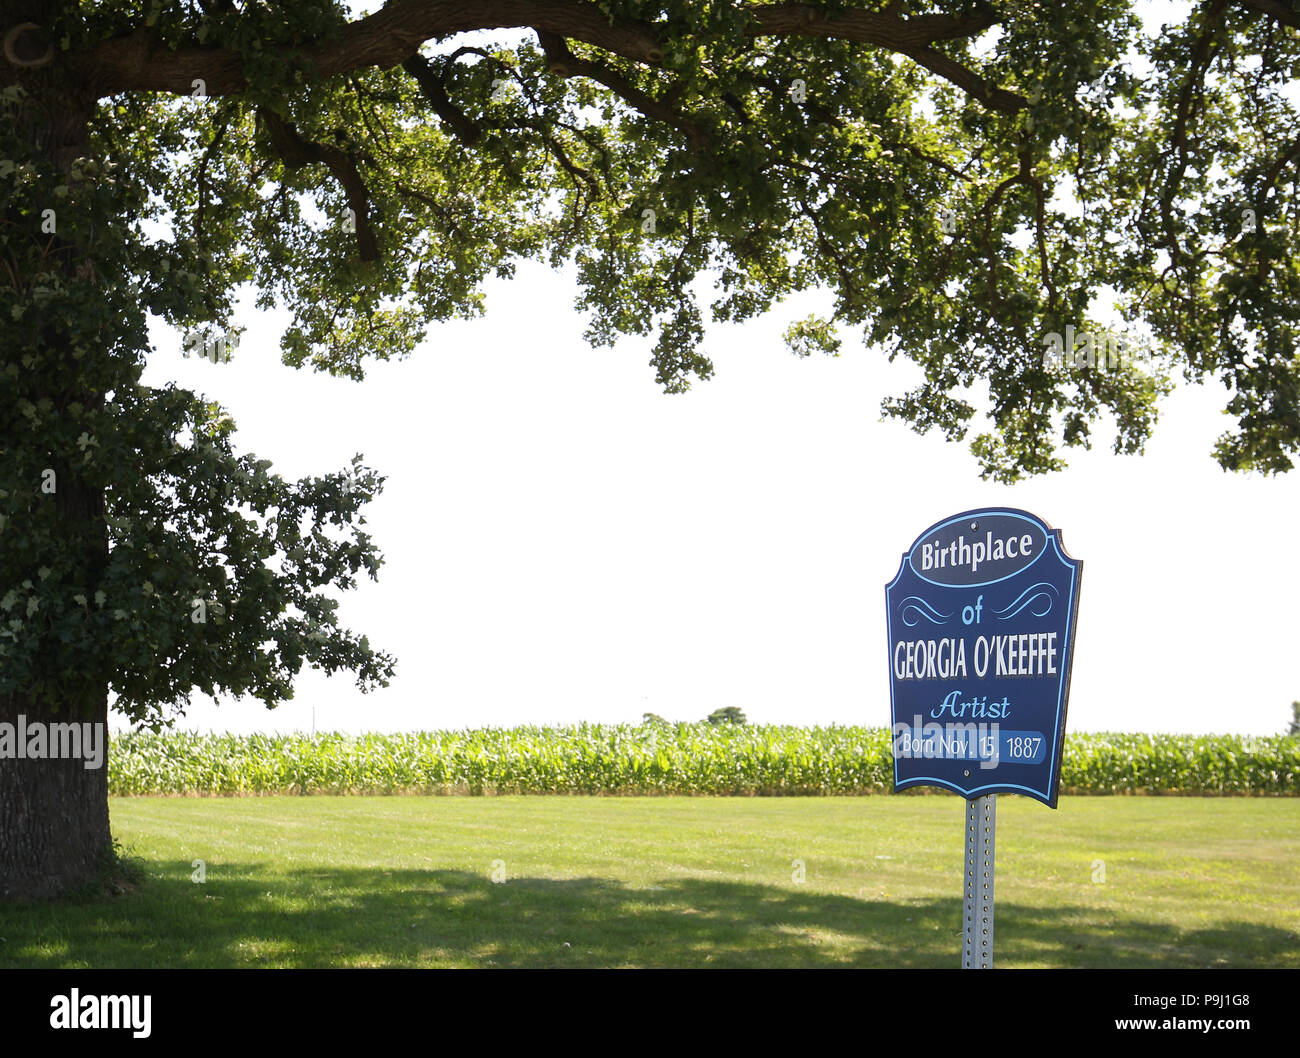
(981, 621)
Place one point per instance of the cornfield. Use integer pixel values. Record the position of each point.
(722, 759)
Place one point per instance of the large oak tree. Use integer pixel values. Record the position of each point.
(967, 177)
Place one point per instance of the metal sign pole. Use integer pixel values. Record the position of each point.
(981, 830)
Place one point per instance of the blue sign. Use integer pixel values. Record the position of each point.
(981, 620)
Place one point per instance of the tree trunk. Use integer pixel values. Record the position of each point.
(54, 834)
(54, 831)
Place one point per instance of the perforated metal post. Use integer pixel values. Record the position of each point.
(981, 829)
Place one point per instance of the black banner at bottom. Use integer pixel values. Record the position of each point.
(239, 1008)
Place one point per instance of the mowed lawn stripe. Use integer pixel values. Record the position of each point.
(661, 881)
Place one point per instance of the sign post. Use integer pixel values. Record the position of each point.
(977, 904)
(981, 619)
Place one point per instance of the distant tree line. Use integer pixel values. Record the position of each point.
(730, 714)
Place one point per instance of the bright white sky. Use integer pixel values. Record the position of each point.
(564, 542)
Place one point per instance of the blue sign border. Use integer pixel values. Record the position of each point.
(1076, 574)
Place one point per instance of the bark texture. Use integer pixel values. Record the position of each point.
(54, 827)
(54, 834)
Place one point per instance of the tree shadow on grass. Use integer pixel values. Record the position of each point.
(250, 914)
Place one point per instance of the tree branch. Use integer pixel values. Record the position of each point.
(869, 27)
(389, 37)
(1191, 92)
(999, 99)
(431, 86)
(912, 37)
(1283, 13)
(297, 152)
(138, 62)
(563, 63)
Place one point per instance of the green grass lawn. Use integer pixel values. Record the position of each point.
(613, 881)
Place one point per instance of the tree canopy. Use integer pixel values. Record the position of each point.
(971, 180)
